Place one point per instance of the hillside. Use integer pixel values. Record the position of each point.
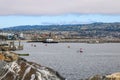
(68, 27)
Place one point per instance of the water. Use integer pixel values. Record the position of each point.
(69, 62)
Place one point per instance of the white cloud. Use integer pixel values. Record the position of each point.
(51, 7)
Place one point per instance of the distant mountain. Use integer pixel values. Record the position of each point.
(68, 27)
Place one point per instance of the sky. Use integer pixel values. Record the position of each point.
(37, 12)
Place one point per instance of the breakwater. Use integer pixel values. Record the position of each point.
(90, 40)
(81, 40)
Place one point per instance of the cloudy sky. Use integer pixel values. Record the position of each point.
(30, 12)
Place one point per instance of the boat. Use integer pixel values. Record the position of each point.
(81, 50)
(49, 41)
(10, 46)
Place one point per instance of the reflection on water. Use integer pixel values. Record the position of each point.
(69, 62)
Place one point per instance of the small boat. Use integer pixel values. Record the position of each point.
(81, 50)
(68, 46)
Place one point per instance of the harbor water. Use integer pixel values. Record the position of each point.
(73, 64)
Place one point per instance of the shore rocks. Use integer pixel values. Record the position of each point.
(13, 67)
(114, 76)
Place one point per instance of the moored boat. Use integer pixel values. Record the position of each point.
(49, 41)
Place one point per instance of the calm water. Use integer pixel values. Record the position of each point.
(69, 62)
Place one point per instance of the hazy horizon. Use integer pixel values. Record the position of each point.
(12, 20)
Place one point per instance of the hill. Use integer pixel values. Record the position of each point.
(68, 27)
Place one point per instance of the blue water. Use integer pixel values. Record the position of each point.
(69, 62)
